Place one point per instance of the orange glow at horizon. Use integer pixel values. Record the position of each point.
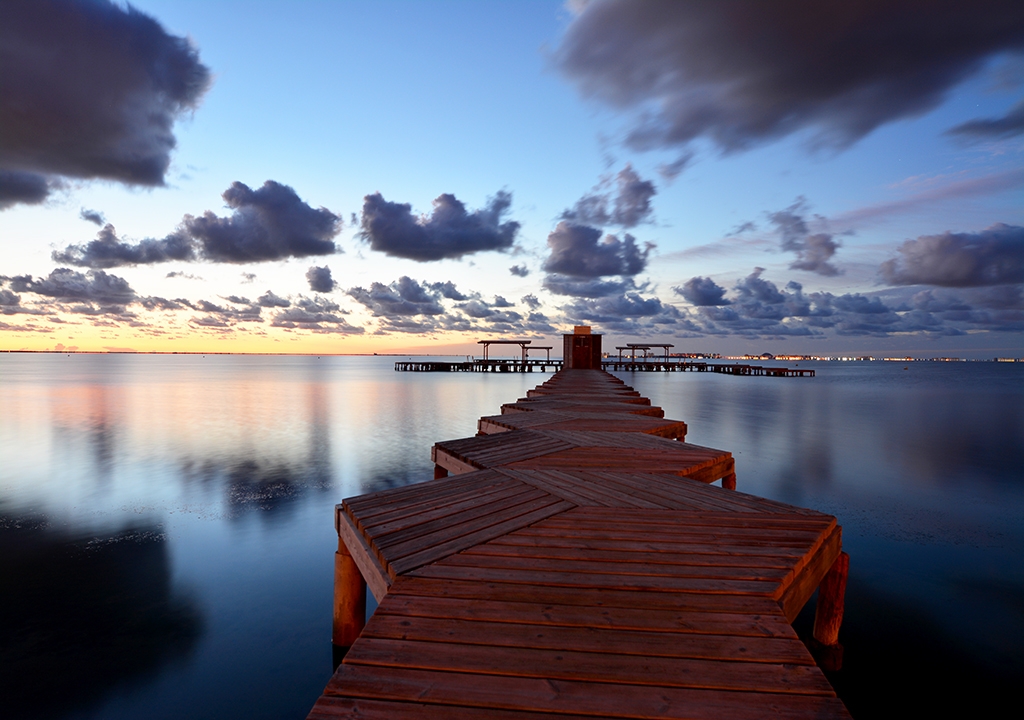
(84, 338)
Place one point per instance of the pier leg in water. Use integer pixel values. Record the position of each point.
(729, 482)
(440, 472)
(828, 615)
(349, 598)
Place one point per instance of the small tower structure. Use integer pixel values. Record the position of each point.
(581, 350)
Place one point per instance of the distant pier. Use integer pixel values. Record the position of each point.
(608, 364)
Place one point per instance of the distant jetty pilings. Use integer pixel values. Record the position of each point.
(609, 365)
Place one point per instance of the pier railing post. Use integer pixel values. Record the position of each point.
(828, 614)
(349, 598)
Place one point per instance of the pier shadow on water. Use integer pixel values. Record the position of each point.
(85, 617)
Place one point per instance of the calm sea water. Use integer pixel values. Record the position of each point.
(166, 536)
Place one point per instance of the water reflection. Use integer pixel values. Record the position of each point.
(902, 663)
(226, 469)
(85, 615)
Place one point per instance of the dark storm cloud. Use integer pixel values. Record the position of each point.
(576, 252)
(530, 301)
(68, 285)
(613, 307)
(93, 216)
(744, 72)
(813, 251)
(159, 303)
(409, 306)
(495, 312)
(108, 251)
(91, 89)
(447, 290)
(218, 316)
(269, 299)
(8, 298)
(562, 285)
(22, 187)
(702, 291)
(318, 315)
(1010, 125)
(269, 223)
(538, 323)
(629, 206)
(320, 279)
(994, 256)
(404, 298)
(519, 270)
(476, 309)
(761, 309)
(449, 232)
(1000, 308)
(629, 313)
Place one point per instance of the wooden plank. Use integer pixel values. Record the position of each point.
(594, 580)
(797, 588)
(637, 557)
(487, 517)
(603, 597)
(734, 518)
(370, 502)
(596, 565)
(482, 483)
(504, 493)
(401, 536)
(586, 493)
(376, 577)
(451, 463)
(726, 536)
(573, 697)
(332, 708)
(709, 618)
(575, 494)
(644, 643)
(511, 522)
(558, 543)
(593, 667)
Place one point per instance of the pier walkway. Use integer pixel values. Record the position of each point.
(578, 563)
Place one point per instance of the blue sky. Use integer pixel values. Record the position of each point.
(342, 100)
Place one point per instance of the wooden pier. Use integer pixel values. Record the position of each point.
(478, 365)
(577, 563)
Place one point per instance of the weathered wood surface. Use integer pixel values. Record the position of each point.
(570, 569)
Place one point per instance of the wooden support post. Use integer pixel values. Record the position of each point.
(439, 472)
(729, 481)
(349, 598)
(828, 614)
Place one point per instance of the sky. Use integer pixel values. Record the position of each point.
(353, 177)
